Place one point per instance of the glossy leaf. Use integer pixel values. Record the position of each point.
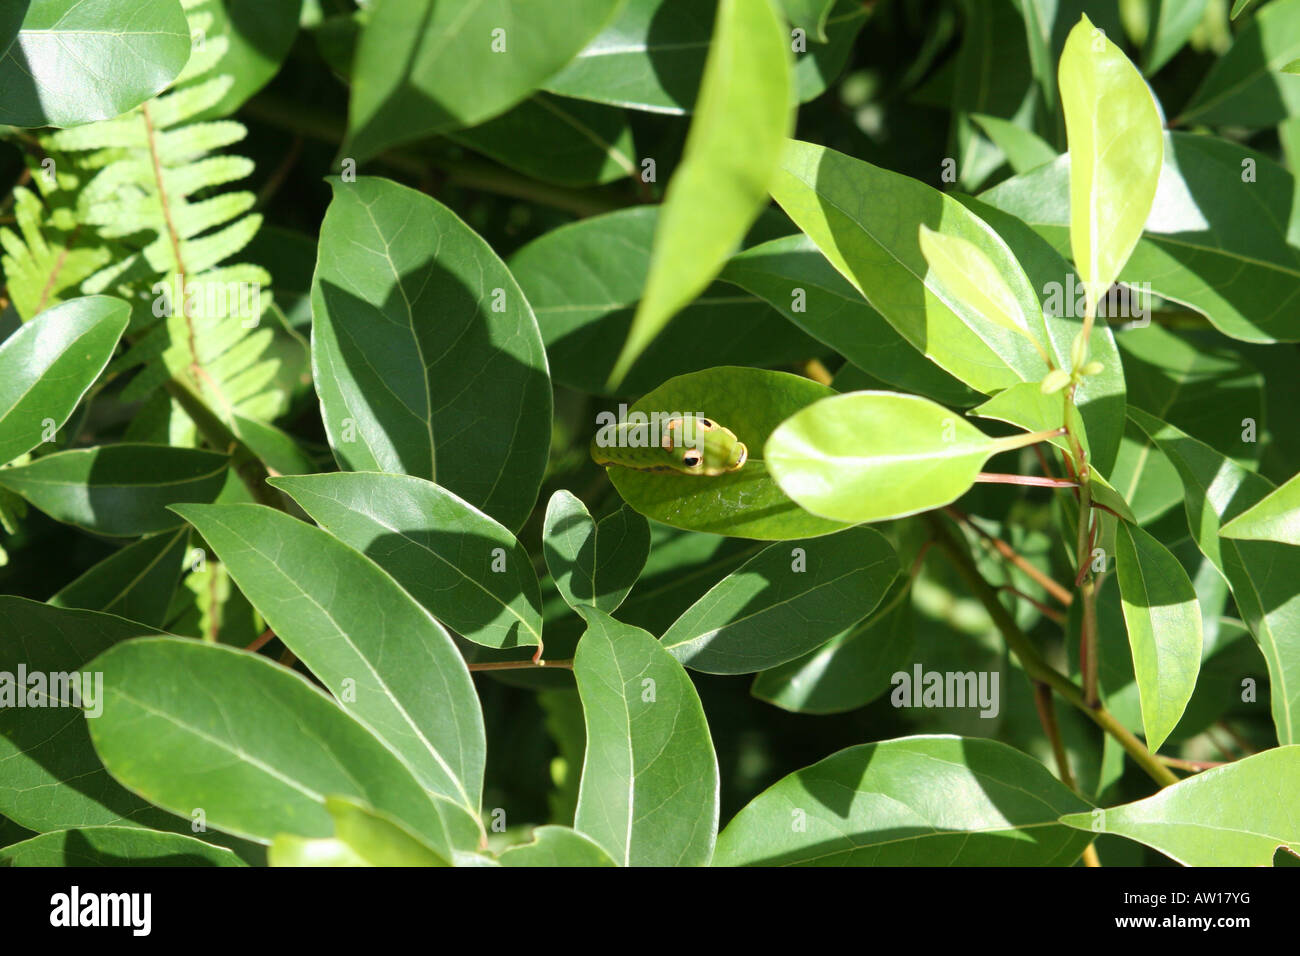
(121, 490)
(49, 363)
(1244, 86)
(255, 746)
(745, 503)
(1116, 145)
(115, 846)
(783, 602)
(1164, 629)
(77, 61)
(870, 456)
(1173, 24)
(1276, 517)
(426, 354)
(557, 846)
(730, 157)
(876, 246)
(442, 550)
(1235, 815)
(1024, 149)
(398, 671)
(875, 805)
(257, 35)
(377, 838)
(136, 583)
(593, 564)
(425, 67)
(649, 793)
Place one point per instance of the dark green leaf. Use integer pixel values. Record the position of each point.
(136, 583)
(115, 846)
(593, 564)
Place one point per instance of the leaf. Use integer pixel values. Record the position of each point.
(870, 456)
(426, 354)
(426, 67)
(1264, 575)
(397, 671)
(136, 582)
(257, 35)
(1116, 145)
(796, 280)
(746, 503)
(876, 247)
(1233, 815)
(120, 490)
(1173, 24)
(783, 602)
(1275, 517)
(1024, 149)
(376, 837)
(649, 793)
(557, 846)
(287, 850)
(442, 550)
(75, 62)
(594, 564)
(851, 669)
(47, 366)
(730, 157)
(1164, 629)
(190, 725)
(874, 805)
(115, 846)
(1244, 86)
(808, 15)
(584, 299)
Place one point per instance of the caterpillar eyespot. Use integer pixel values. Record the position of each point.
(687, 445)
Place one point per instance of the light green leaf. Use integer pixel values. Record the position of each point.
(287, 850)
(77, 61)
(594, 564)
(426, 354)
(376, 837)
(48, 364)
(875, 805)
(730, 157)
(649, 793)
(398, 671)
(786, 600)
(442, 550)
(425, 67)
(1275, 517)
(1164, 629)
(257, 35)
(870, 456)
(1245, 86)
(116, 846)
(1024, 149)
(136, 582)
(120, 490)
(1236, 815)
(1116, 146)
(875, 245)
(557, 846)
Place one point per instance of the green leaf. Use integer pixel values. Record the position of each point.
(442, 550)
(398, 671)
(876, 246)
(1241, 6)
(1175, 22)
(745, 503)
(1234, 815)
(594, 564)
(425, 67)
(851, 669)
(874, 805)
(75, 62)
(1264, 575)
(809, 16)
(195, 726)
(49, 364)
(1164, 629)
(115, 846)
(257, 35)
(1024, 149)
(870, 456)
(418, 372)
(136, 583)
(1116, 145)
(584, 312)
(1275, 517)
(120, 490)
(1244, 86)
(786, 600)
(376, 837)
(649, 793)
(730, 157)
(796, 280)
(287, 850)
(557, 846)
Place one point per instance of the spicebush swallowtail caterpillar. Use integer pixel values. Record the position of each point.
(690, 445)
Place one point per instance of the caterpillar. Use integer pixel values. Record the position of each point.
(690, 445)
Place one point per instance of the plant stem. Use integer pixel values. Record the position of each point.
(1061, 594)
(1034, 665)
(518, 665)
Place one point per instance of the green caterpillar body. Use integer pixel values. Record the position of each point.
(688, 445)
